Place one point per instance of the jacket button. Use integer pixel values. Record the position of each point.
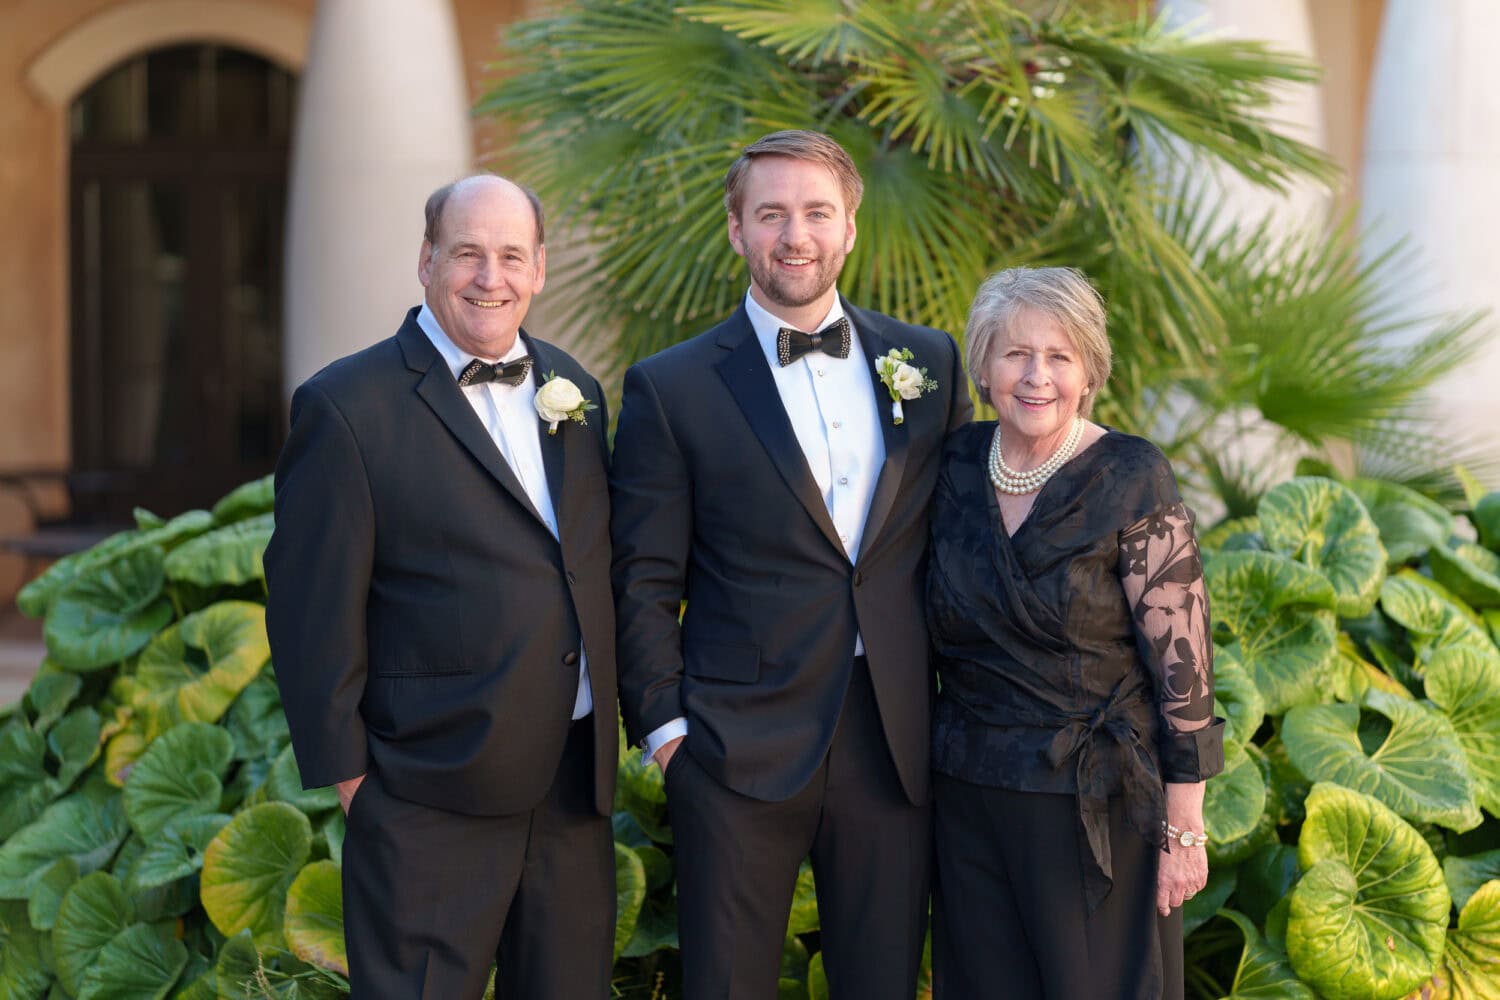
(571, 659)
(858, 578)
(571, 578)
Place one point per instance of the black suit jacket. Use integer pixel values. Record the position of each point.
(424, 623)
(713, 502)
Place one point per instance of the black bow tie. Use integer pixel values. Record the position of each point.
(511, 373)
(832, 339)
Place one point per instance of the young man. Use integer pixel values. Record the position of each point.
(761, 474)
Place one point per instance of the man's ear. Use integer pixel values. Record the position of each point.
(424, 263)
(849, 232)
(541, 268)
(736, 238)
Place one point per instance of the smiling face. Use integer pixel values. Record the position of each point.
(794, 232)
(1036, 380)
(484, 268)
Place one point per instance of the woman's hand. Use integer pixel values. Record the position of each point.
(1183, 870)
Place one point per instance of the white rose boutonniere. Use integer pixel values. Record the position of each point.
(558, 399)
(902, 380)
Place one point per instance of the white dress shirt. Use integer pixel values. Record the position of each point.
(833, 411)
(509, 415)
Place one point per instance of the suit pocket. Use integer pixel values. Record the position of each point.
(722, 661)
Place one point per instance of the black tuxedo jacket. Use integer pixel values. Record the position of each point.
(424, 623)
(714, 503)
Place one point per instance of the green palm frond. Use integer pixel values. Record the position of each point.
(989, 135)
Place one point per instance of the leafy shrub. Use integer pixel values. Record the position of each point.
(155, 839)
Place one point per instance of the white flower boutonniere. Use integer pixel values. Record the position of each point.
(558, 399)
(901, 379)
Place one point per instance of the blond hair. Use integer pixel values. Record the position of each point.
(796, 144)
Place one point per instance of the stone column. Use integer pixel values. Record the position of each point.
(382, 120)
(1432, 157)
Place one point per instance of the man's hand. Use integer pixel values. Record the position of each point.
(664, 753)
(346, 790)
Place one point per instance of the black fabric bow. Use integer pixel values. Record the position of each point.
(511, 373)
(833, 340)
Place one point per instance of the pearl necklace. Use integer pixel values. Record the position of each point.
(1007, 480)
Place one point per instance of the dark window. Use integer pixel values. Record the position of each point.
(179, 176)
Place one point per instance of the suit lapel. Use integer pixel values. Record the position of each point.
(553, 445)
(748, 376)
(874, 343)
(442, 394)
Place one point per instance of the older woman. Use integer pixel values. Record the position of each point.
(1074, 728)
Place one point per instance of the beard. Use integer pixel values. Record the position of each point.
(795, 291)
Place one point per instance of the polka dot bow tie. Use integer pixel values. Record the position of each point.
(832, 339)
(511, 373)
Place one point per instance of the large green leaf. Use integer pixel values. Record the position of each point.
(230, 555)
(630, 894)
(35, 599)
(77, 827)
(1418, 769)
(639, 790)
(244, 972)
(1486, 518)
(256, 720)
(139, 963)
(1431, 622)
(47, 895)
(74, 741)
(1321, 524)
(315, 917)
(1234, 799)
(1238, 696)
(255, 497)
(1369, 915)
(25, 786)
(1278, 615)
(1466, 874)
(1264, 972)
(803, 916)
(248, 867)
(1464, 682)
(1356, 675)
(95, 909)
(1469, 571)
(49, 695)
(177, 777)
(1471, 959)
(1409, 522)
(284, 784)
(175, 852)
(1205, 904)
(1265, 878)
(25, 955)
(101, 618)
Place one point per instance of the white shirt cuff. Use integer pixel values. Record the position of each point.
(663, 735)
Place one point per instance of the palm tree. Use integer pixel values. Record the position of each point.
(988, 136)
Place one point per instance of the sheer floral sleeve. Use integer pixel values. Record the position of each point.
(1162, 574)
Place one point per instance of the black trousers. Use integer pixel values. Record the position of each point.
(1008, 915)
(737, 861)
(431, 898)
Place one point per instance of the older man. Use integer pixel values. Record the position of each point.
(764, 473)
(441, 623)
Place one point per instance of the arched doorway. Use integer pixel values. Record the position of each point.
(178, 180)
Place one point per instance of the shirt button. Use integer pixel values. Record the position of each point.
(837, 424)
(820, 373)
(843, 480)
(844, 539)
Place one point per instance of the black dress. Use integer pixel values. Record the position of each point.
(1076, 676)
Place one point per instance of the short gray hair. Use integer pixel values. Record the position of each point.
(1061, 293)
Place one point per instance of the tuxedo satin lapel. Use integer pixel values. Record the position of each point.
(440, 392)
(554, 446)
(749, 379)
(872, 340)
